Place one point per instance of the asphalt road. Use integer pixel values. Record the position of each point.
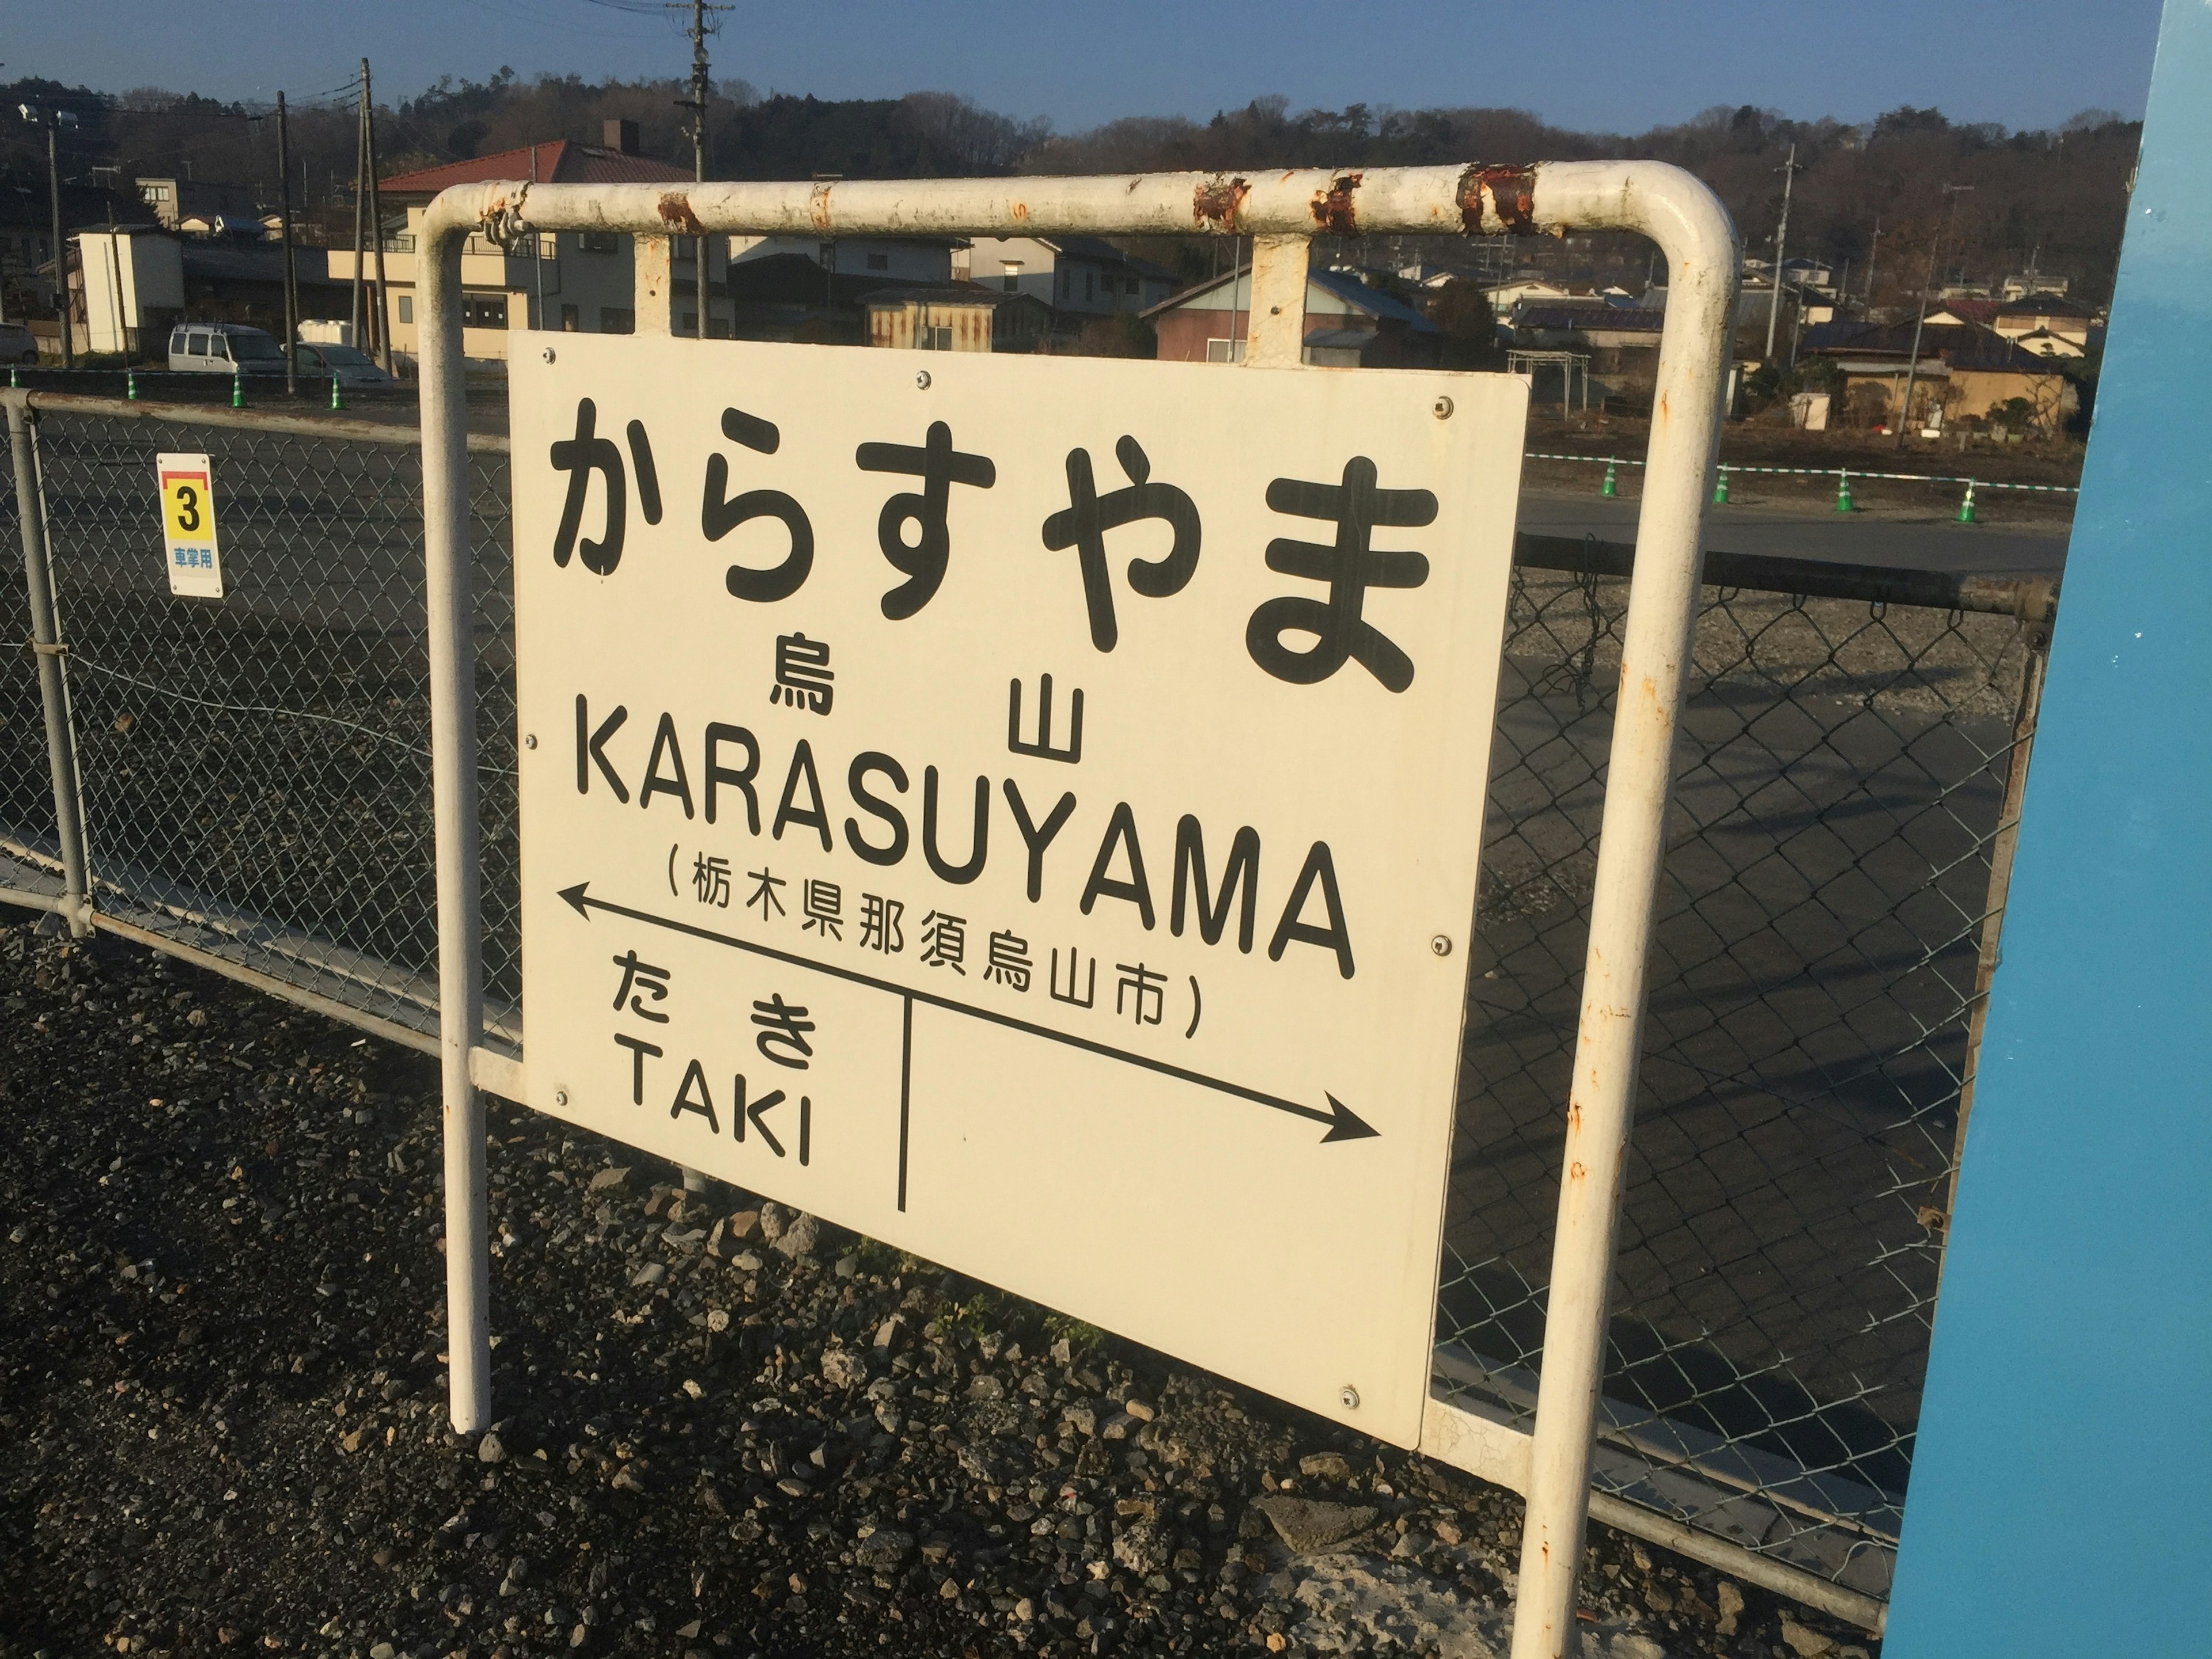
(1805, 531)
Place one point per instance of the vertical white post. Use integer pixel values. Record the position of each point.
(653, 278)
(1693, 231)
(1278, 332)
(451, 609)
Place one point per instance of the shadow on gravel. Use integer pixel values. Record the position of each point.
(728, 1429)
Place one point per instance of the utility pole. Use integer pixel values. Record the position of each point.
(1913, 363)
(356, 314)
(291, 269)
(382, 315)
(52, 120)
(698, 102)
(1780, 238)
(1873, 249)
(61, 253)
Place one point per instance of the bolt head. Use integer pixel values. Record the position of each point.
(1349, 1396)
(529, 741)
(560, 1096)
(1441, 945)
(548, 353)
(1442, 409)
(921, 381)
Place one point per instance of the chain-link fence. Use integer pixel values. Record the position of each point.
(256, 788)
(1842, 803)
(255, 775)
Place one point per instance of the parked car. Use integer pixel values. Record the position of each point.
(343, 363)
(224, 349)
(17, 344)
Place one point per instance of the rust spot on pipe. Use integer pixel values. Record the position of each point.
(1575, 1172)
(1020, 211)
(1217, 201)
(1333, 209)
(676, 214)
(818, 205)
(1512, 192)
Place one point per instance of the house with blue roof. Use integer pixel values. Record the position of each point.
(1349, 324)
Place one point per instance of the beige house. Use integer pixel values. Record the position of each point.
(583, 282)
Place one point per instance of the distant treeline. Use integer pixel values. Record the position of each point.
(2056, 199)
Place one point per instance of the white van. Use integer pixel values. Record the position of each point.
(224, 349)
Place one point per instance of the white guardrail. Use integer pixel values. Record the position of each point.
(1281, 212)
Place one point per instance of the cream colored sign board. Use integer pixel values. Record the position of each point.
(1026, 810)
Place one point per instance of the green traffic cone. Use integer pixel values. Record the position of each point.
(1967, 507)
(130, 383)
(1611, 487)
(1720, 489)
(337, 400)
(238, 391)
(1843, 493)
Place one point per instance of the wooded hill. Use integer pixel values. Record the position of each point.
(2055, 199)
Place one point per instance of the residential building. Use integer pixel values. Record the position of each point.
(791, 296)
(910, 259)
(1349, 325)
(1504, 296)
(1962, 371)
(2028, 286)
(956, 317)
(132, 283)
(578, 281)
(1077, 277)
(2050, 326)
(1632, 328)
(174, 200)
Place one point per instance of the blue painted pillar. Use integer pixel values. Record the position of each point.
(2062, 1489)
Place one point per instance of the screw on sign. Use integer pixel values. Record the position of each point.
(191, 551)
(1232, 806)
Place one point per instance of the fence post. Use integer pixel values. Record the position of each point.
(2001, 848)
(53, 685)
(449, 596)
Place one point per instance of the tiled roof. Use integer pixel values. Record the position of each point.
(1623, 320)
(561, 162)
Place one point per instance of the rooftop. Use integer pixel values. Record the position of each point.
(562, 162)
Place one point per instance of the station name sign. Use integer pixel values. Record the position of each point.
(1026, 810)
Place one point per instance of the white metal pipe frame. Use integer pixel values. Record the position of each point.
(1282, 212)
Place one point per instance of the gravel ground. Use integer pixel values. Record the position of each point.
(730, 1429)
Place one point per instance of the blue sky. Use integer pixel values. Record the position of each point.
(1610, 64)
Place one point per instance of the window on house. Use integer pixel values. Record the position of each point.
(483, 311)
(406, 308)
(932, 337)
(572, 320)
(879, 262)
(687, 322)
(1067, 282)
(598, 241)
(618, 320)
(1134, 287)
(1224, 351)
(1090, 285)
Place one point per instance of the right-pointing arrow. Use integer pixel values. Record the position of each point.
(1345, 1124)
